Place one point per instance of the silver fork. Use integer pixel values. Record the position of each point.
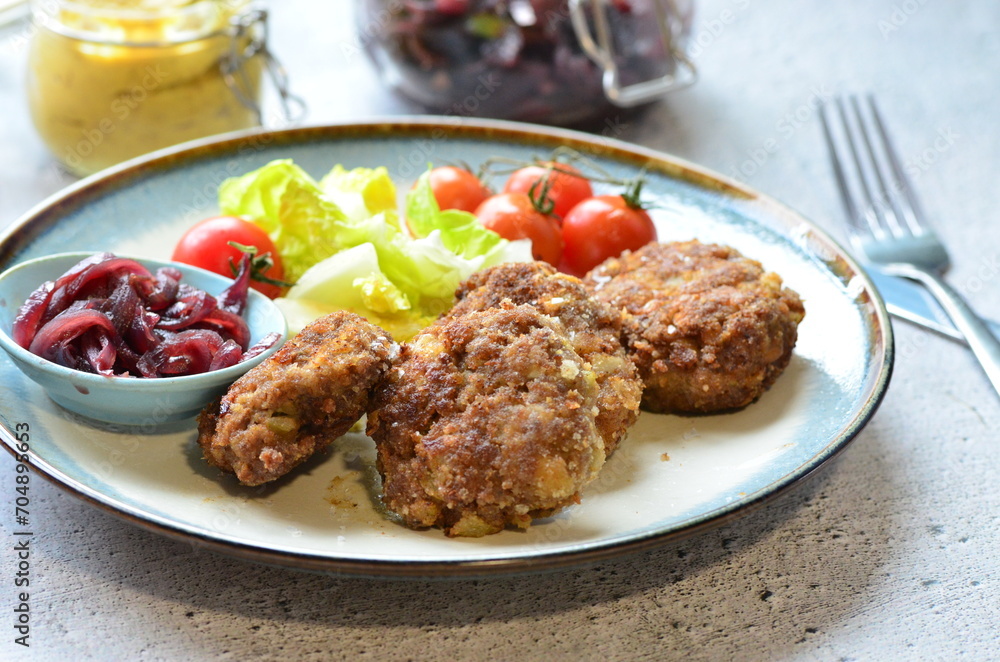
(887, 223)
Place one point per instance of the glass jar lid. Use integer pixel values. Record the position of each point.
(138, 22)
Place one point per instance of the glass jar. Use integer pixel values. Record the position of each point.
(112, 79)
(552, 61)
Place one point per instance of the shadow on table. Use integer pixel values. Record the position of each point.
(787, 571)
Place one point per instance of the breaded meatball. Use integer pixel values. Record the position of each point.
(486, 420)
(594, 330)
(708, 329)
(296, 402)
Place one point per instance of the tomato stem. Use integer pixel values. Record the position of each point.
(463, 165)
(539, 197)
(633, 189)
(586, 168)
(259, 264)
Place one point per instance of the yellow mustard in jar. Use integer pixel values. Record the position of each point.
(112, 79)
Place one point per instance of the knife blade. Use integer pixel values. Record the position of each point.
(911, 302)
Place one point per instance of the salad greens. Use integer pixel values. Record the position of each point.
(342, 244)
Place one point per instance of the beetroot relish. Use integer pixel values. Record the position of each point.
(112, 316)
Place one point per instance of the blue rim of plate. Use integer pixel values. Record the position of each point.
(836, 260)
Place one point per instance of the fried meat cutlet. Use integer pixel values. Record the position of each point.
(594, 329)
(297, 401)
(486, 420)
(708, 329)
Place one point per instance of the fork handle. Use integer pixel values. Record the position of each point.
(981, 340)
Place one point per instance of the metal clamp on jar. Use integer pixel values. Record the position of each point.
(109, 80)
(248, 41)
(551, 61)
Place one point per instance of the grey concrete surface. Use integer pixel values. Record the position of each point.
(889, 554)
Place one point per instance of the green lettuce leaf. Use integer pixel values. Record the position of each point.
(289, 205)
(341, 243)
(352, 280)
(373, 187)
(461, 233)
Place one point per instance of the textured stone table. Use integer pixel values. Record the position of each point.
(889, 553)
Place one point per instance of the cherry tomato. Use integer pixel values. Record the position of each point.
(457, 188)
(206, 245)
(601, 227)
(514, 216)
(565, 190)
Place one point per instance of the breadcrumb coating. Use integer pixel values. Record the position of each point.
(298, 401)
(594, 330)
(486, 420)
(709, 329)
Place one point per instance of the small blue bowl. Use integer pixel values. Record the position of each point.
(128, 400)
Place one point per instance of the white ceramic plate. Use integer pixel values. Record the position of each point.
(672, 476)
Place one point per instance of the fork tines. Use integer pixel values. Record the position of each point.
(873, 185)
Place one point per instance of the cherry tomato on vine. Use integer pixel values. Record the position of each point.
(206, 245)
(601, 227)
(457, 188)
(565, 190)
(514, 216)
